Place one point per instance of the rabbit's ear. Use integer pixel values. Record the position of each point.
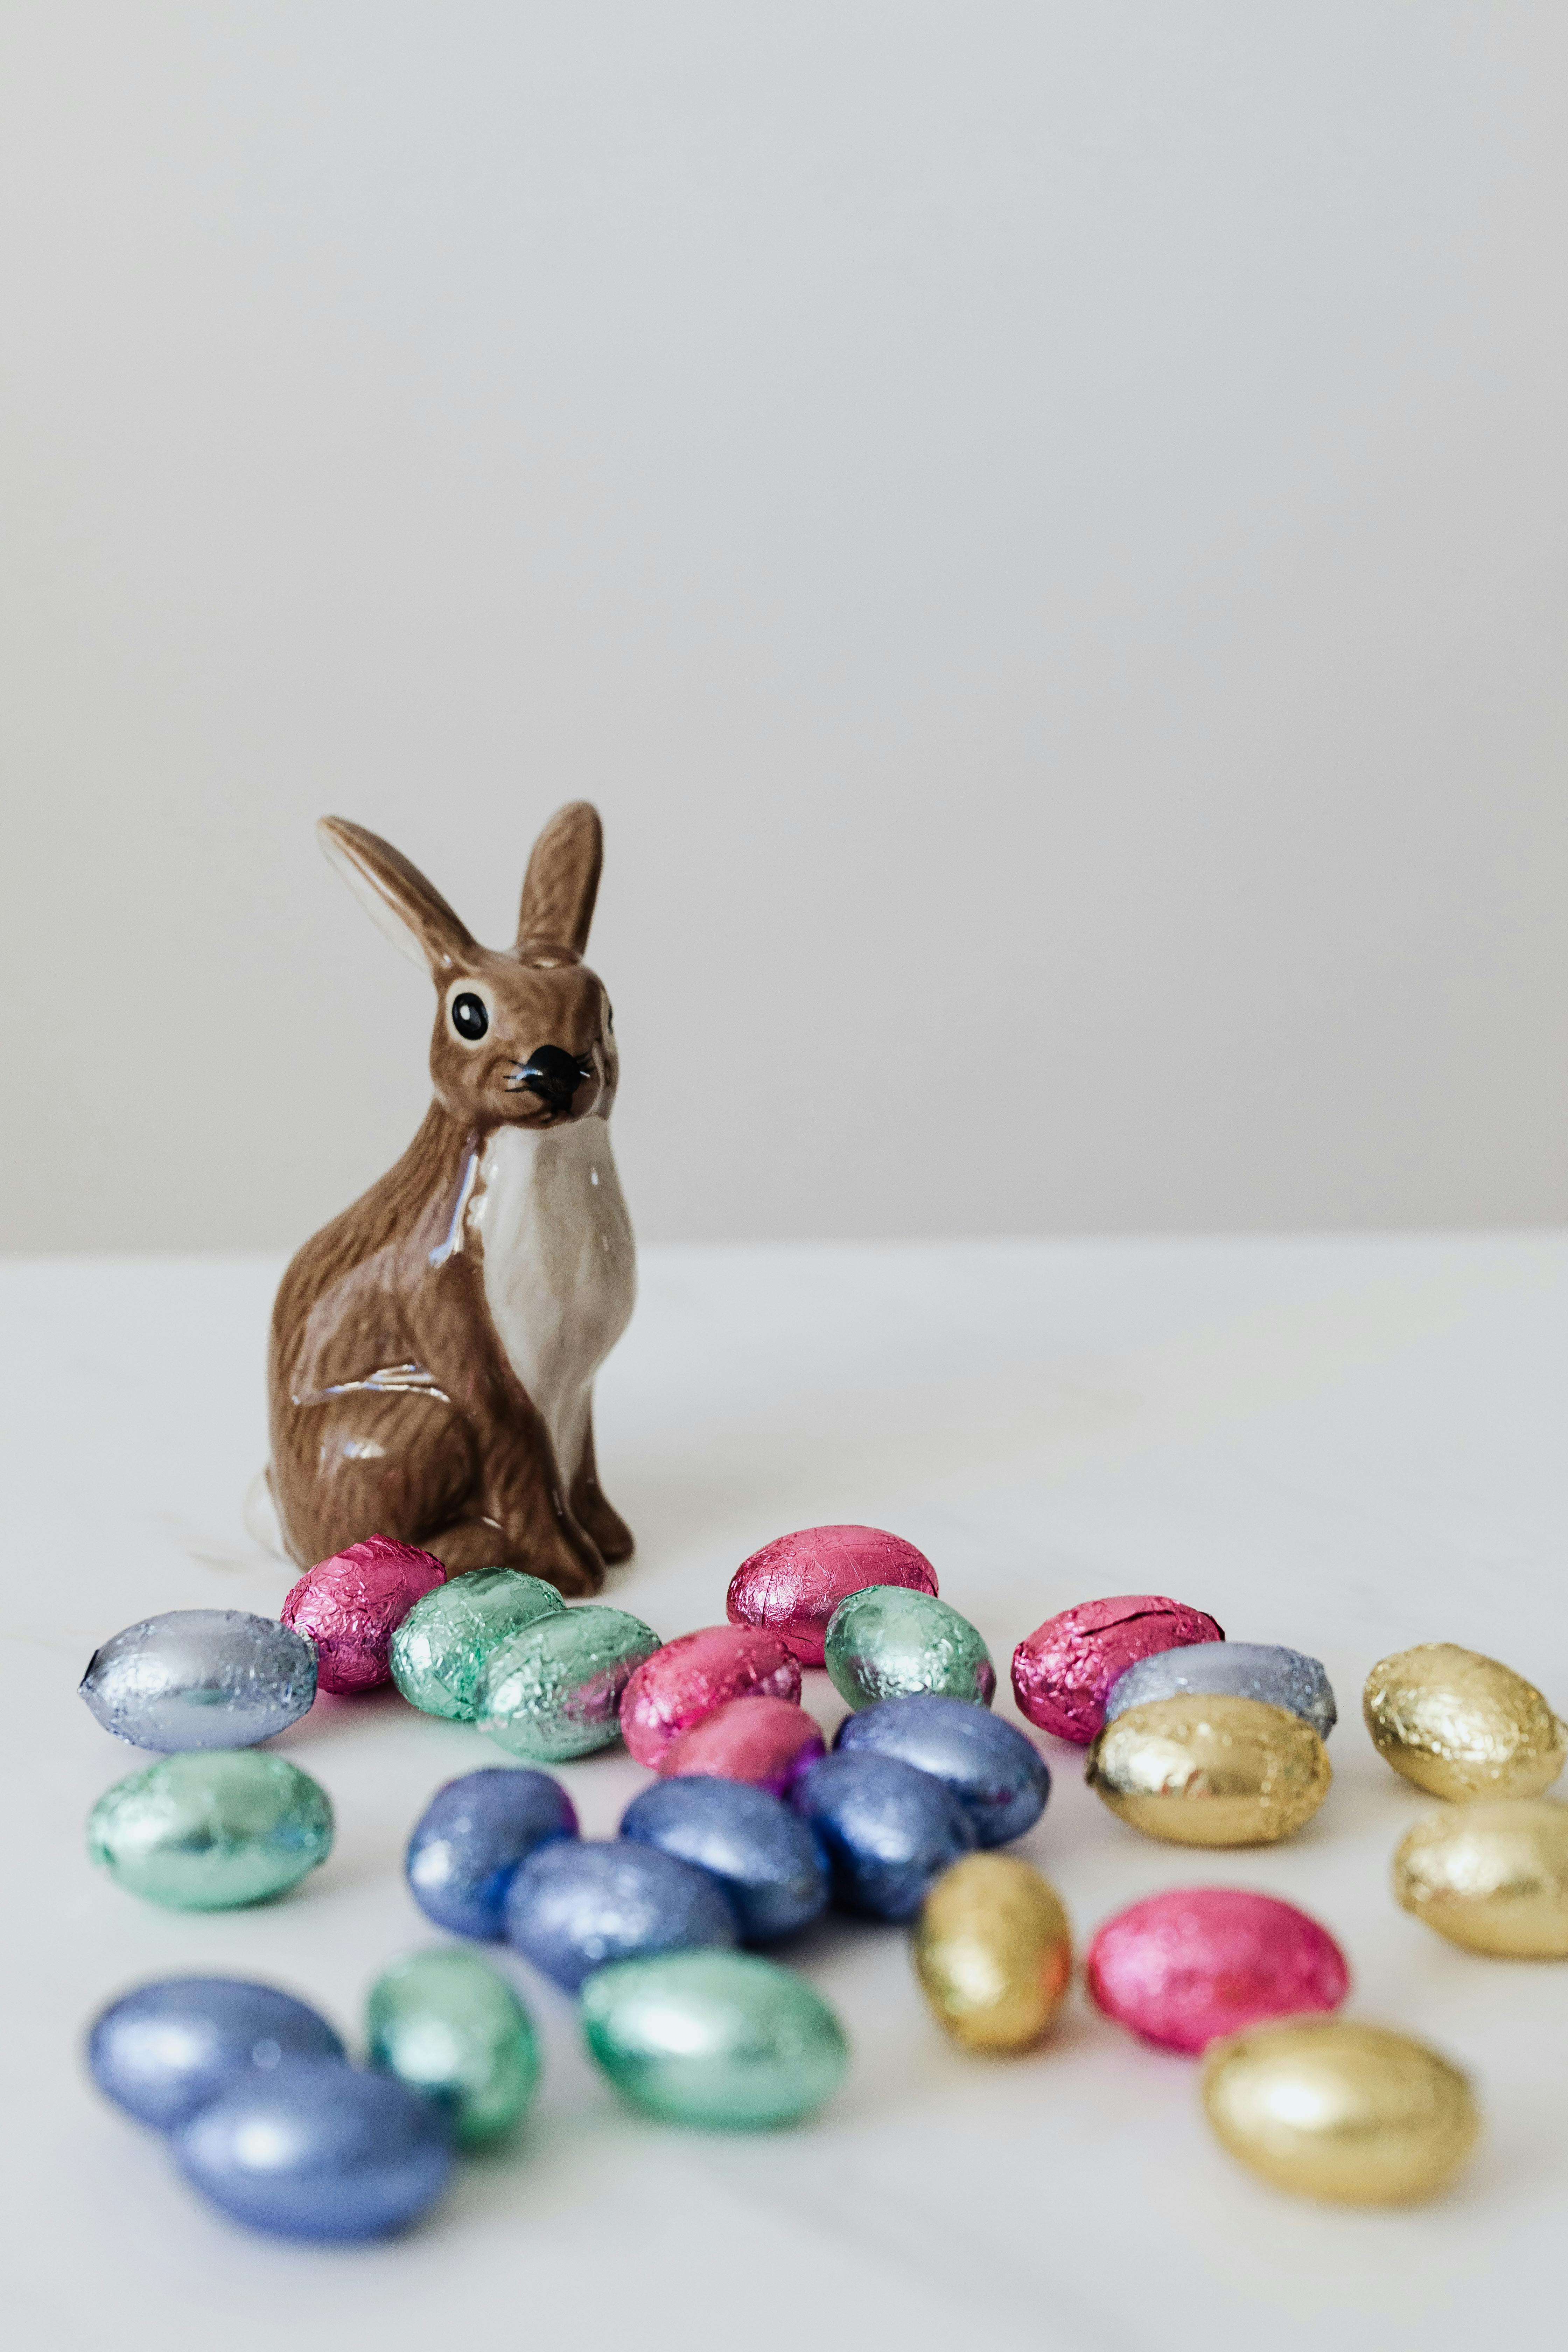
(395, 895)
(562, 879)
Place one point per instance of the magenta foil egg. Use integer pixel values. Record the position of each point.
(1183, 1968)
(766, 1741)
(352, 1605)
(690, 1677)
(793, 1584)
(1063, 1672)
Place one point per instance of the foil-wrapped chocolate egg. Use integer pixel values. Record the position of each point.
(766, 1741)
(993, 1952)
(691, 1675)
(886, 1830)
(1210, 1771)
(713, 2038)
(1491, 1876)
(573, 1906)
(445, 2024)
(998, 1776)
(1063, 1672)
(766, 1859)
(1187, 1968)
(1351, 2112)
(554, 1690)
(470, 1838)
(793, 1585)
(1264, 1670)
(352, 1605)
(318, 2150)
(208, 1832)
(201, 1678)
(1461, 1725)
(164, 2050)
(443, 1644)
(889, 1643)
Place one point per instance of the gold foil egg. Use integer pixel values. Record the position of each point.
(1461, 1725)
(1210, 1770)
(1351, 2113)
(1492, 1876)
(993, 1952)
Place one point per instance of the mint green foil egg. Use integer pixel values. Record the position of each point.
(446, 2023)
(210, 1831)
(554, 1690)
(439, 1650)
(887, 1642)
(711, 2037)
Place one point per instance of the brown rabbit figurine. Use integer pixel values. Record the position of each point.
(434, 1347)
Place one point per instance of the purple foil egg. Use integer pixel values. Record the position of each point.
(1184, 1969)
(1063, 1672)
(793, 1584)
(690, 1677)
(765, 1742)
(352, 1605)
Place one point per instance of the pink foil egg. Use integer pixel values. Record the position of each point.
(793, 1584)
(1063, 1672)
(689, 1677)
(1184, 1969)
(352, 1605)
(764, 1740)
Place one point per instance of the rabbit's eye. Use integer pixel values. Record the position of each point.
(469, 1018)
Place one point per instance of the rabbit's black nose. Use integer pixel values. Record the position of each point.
(553, 1074)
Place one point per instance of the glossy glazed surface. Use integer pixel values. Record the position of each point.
(471, 1837)
(793, 1585)
(889, 1643)
(994, 1952)
(164, 2050)
(317, 2151)
(1351, 2112)
(1491, 1876)
(201, 1678)
(1064, 1672)
(573, 1906)
(766, 1741)
(886, 1830)
(1210, 1771)
(766, 1859)
(446, 2025)
(1461, 1725)
(554, 1690)
(689, 1677)
(444, 1643)
(210, 1833)
(1260, 1670)
(1186, 1967)
(998, 1776)
(721, 2039)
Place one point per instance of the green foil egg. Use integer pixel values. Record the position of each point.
(717, 2037)
(444, 2023)
(887, 1642)
(554, 1691)
(208, 1831)
(442, 1646)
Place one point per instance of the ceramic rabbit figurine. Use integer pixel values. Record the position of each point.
(434, 1347)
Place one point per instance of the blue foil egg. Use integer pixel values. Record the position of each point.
(766, 1859)
(887, 1829)
(166, 2049)
(201, 1678)
(318, 2150)
(470, 1838)
(575, 1905)
(1260, 1670)
(998, 1776)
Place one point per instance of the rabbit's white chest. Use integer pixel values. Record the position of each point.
(560, 1266)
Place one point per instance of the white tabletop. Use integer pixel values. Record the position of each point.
(1346, 1445)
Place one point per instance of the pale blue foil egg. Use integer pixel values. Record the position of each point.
(766, 1859)
(318, 2150)
(575, 1905)
(998, 1776)
(166, 2049)
(201, 1678)
(887, 1830)
(1260, 1670)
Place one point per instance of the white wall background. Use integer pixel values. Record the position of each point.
(1041, 525)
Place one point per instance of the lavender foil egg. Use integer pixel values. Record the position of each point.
(1186, 1967)
(352, 1605)
(793, 1585)
(201, 1678)
(1262, 1670)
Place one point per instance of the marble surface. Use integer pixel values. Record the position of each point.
(1347, 1445)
